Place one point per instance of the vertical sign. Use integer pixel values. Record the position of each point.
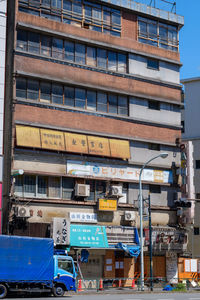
(0, 208)
(61, 231)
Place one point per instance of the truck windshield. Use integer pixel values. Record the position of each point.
(65, 265)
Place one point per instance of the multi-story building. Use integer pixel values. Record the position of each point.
(3, 7)
(96, 93)
(191, 160)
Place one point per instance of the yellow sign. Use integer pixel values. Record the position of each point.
(76, 143)
(158, 176)
(98, 146)
(28, 136)
(52, 139)
(108, 204)
(119, 148)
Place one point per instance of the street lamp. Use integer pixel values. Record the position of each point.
(163, 155)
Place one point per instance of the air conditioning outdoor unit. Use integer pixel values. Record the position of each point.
(82, 190)
(129, 215)
(22, 212)
(116, 190)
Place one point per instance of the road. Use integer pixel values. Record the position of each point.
(110, 296)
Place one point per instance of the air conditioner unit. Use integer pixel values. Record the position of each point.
(116, 190)
(82, 190)
(129, 215)
(22, 212)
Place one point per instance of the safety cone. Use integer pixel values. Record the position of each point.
(133, 284)
(101, 284)
(80, 285)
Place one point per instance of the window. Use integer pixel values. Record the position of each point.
(54, 187)
(69, 51)
(33, 89)
(154, 105)
(153, 64)
(196, 230)
(57, 48)
(101, 58)
(34, 42)
(158, 34)
(67, 188)
(21, 88)
(122, 63)
(22, 40)
(155, 147)
(198, 196)
(80, 53)
(112, 61)
(29, 185)
(57, 94)
(91, 56)
(197, 164)
(42, 186)
(65, 265)
(182, 126)
(46, 46)
(154, 189)
(80, 97)
(45, 92)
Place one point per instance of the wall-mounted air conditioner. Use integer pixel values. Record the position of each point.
(82, 190)
(22, 212)
(129, 215)
(116, 190)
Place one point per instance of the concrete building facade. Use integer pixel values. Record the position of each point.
(96, 93)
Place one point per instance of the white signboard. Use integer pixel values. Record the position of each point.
(61, 231)
(80, 168)
(193, 263)
(187, 265)
(172, 268)
(83, 217)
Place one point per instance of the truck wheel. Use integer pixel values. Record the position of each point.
(3, 291)
(58, 291)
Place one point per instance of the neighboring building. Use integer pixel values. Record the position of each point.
(191, 140)
(96, 94)
(3, 7)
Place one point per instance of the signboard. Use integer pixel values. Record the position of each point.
(107, 204)
(27, 136)
(190, 265)
(88, 236)
(81, 168)
(61, 231)
(172, 268)
(83, 217)
(168, 239)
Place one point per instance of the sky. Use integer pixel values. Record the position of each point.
(189, 45)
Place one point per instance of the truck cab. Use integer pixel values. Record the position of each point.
(64, 274)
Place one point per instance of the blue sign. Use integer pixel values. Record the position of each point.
(88, 236)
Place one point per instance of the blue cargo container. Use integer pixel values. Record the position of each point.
(29, 264)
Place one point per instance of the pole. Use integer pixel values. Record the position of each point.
(150, 246)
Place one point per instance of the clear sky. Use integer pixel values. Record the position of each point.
(189, 45)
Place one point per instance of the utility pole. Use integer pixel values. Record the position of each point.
(150, 246)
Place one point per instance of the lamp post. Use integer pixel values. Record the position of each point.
(163, 155)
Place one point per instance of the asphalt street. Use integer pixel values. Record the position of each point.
(121, 296)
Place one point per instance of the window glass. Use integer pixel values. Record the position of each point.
(67, 5)
(21, 88)
(196, 230)
(112, 99)
(88, 13)
(57, 94)
(152, 30)
(91, 100)
(79, 53)
(34, 42)
(65, 265)
(101, 58)
(56, 3)
(154, 105)
(154, 189)
(122, 63)
(91, 56)
(122, 105)
(96, 15)
(80, 98)
(106, 17)
(45, 95)
(163, 33)
(33, 89)
(116, 18)
(69, 96)
(42, 186)
(102, 102)
(153, 64)
(143, 28)
(100, 189)
(69, 51)
(18, 185)
(29, 185)
(46, 3)
(54, 187)
(197, 164)
(67, 187)
(22, 40)
(77, 9)
(155, 147)
(57, 48)
(46, 45)
(112, 61)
